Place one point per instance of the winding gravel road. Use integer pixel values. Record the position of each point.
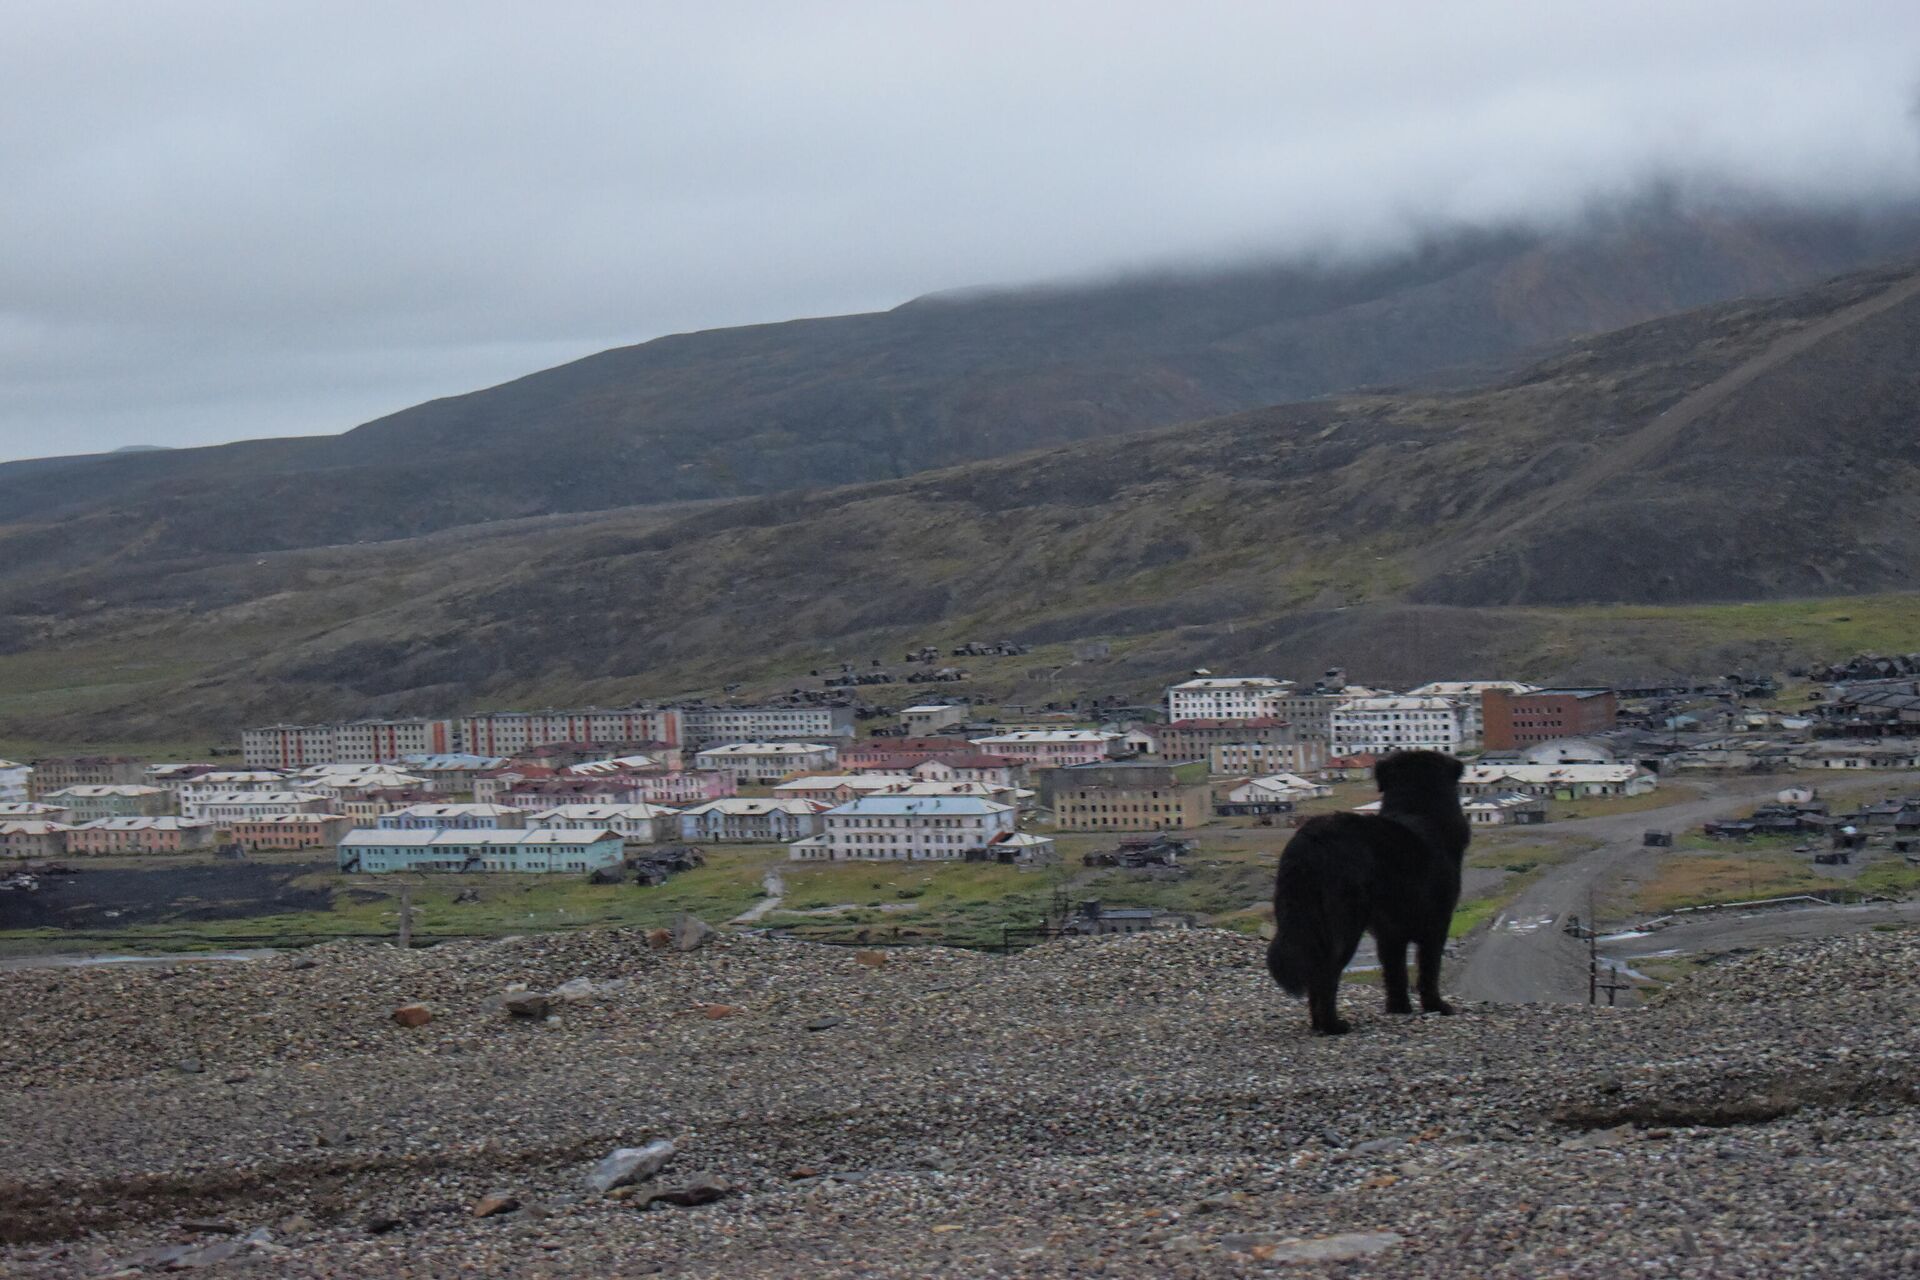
(1525, 956)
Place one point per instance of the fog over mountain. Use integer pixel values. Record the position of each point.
(346, 209)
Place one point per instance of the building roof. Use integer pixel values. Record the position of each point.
(766, 749)
(259, 797)
(919, 807)
(290, 819)
(226, 777)
(451, 761)
(612, 764)
(453, 811)
(925, 707)
(1205, 722)
(147, 824)
(29, 809)
(1047, 735)
(1231, 682)
(486, 835)
(1391, 703)
(599, 812)
(1481, 775)
(96, 790)
(1462, 688)
(752, 806)
(1504, 800)
(32, 827)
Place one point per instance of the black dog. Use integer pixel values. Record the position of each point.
(1396, 875)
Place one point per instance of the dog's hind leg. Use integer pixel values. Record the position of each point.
(1432, 950)
(1393, 971)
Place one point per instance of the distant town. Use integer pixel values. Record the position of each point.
(587, 789)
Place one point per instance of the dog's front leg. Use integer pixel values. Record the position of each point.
(1431, 952)
(1393, 972)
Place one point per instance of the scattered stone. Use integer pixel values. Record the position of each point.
(824, 1022)
(189, 1066)
(627, 1165)
(718, 1011)
(799, 1172)
(380, 1223)
(701, 1188)
(870, 958)
(210, 1226)
(205, 1255)
(466, 896)
(691, 932)
(528, 1004)
(499, 1202)
(303, 961)
(237, 1077)
(1269, 1246)
(575, 989)
(413, 1015)
(659, 939)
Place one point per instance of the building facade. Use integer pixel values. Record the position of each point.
(452, 817)
(238, 806)
(1469, 696)
(57, 773)
(1557, 781)
(633, 823)
(1514, 720)
(707, 726)
(1383, 724)
(142, 835)
(1224, 698)
(289, 831)
(907, 829)
(747, 818)
(764, 763)
(1050, 748)
(1128, 797)
(537, 852)
(90, 802)
(1231, 759)
(1196, 739)
(32, 838)
(14, 779)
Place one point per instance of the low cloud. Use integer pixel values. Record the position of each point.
(230, 220)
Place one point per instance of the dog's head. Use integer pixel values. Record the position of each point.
(1413, 772)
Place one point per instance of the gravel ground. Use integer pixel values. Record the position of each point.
(1145, 1106)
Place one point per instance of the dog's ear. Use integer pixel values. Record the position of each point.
(1386, 770)
(1459, 767)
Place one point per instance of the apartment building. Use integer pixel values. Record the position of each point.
(1245, 758)
(238, 806)
(1224, 697)
(57, 773)
(1522, 719)
(903, 828)
(452, 817)
(1050, 748)
(1399, 723)
(707, 726)
(1196, 739)
(90, 802)
(633, 823)
(142, 835)
(514, 733)
(1128, 797)
(291, 831)
(749, 818)
(14, 778)
(381, 852)
(1469, 696)
(32, 838)
(1557, 781)
(763, 763)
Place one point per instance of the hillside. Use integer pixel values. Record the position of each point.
(939, 381)
(1144, 1106)
(1754, 451)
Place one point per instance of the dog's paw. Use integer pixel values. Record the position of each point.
(1399, 1006)
(1437, 1006)
(1336, 1027)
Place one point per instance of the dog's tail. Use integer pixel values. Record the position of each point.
(1296, 941)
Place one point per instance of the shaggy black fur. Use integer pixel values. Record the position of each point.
(1396, 876)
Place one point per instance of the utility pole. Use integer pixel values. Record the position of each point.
(406, 916)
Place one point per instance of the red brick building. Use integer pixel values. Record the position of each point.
(1514, 720)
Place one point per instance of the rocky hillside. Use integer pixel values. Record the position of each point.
(939, 381)
(1147, 1106)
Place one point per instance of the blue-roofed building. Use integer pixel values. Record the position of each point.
(906, 828)
(378, 851)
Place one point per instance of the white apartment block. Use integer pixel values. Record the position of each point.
(492, 733)
(1467, 694)
(1396, 723)
(705, 726)
(13, 780)
(907, 829)
(1050, 748)
(506, 733)
(451, 817)
(227, 782)
(1224, 697)
(633, 823)
(761, 763)
(240, 806)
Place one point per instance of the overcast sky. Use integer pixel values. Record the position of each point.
(245, 219)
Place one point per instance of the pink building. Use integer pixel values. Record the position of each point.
(33, 838)
(292, 831)
(1051, 748)
(142, 835)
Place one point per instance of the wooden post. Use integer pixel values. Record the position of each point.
(406, 916)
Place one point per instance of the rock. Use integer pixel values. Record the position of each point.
(380, 1223)
(499, 1202)
(210, 1226)
(189, 1066)
(237, 1077)
(465, 896)
(718, 1011)
(528, 1004)
(205, 1255)
(803, 1171)
(627, 1165)
(659, 939)
(575, 989)
(870, 958)
(413, 1015)
(691, 932)
(1271, 1247)
(303, 962)
(701, 1188)
(824, 1022)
